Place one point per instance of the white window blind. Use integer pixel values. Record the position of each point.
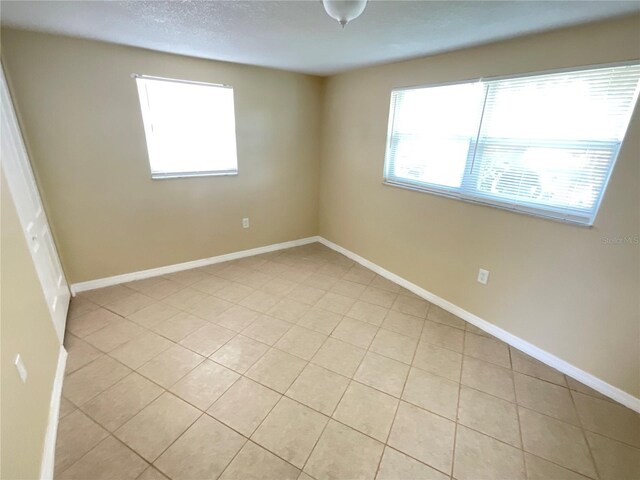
(542, 144)
(189, 127)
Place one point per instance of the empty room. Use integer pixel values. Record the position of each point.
(320, 240)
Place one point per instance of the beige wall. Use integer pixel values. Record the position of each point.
(81, 118)
(555, 285)
(26, 328)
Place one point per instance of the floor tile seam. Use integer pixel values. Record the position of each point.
(267, 416)
(584, 435)
(291, 325)
(271, 346)
(229, 368)
(203, 410)
(515, 396)
(367, 349)
(407, 375)
(173, 442)
(422, 462)
(126, 341)
(109, 434)
(97, 330)
(184, 285)
(106, 307)
(602, 397)
(83, 407)
(455, 431)
(395, 413)
(248, 440)
(201, 361)
(542, 379)
(556, 464)
(152, 330)
(110, 286)
(271, 388)
(520, 402)
(71, 372)
(512, 402)
(398, 399)
(513, 372)
(323, 430)
(579, 427)
(131, 370)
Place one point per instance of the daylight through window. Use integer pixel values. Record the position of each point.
(542, 144)
(189, 127)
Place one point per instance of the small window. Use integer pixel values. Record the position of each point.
(189, 126)
(542, 144)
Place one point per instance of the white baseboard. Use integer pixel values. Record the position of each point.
(155, 272)
(516, 342)
(545, 357)
(48, 454)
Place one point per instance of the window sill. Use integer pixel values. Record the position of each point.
(578, 222)
(168, 176)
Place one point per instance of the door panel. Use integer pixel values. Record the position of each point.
(22, 184)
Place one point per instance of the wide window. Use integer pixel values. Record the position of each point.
(189, 126)
(543, 144)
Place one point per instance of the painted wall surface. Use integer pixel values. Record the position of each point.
(81, 118)
(564, 288)
(25, 328)
(311, 154)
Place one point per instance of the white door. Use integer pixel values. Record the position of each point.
(23, 188)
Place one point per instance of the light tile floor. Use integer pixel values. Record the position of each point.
(302, 364)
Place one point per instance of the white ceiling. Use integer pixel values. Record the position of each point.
(298, 35)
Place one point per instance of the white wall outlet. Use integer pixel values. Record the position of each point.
(245, 223)
(483, 276)
(22, 370)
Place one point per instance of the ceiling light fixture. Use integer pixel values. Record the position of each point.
(344, 10)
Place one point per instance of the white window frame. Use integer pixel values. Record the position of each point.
(563, 214)
(150, 140)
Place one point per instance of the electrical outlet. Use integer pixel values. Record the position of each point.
(22, 370)
(483, 276)
(245, 223)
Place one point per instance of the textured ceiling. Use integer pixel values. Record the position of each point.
(298, 35)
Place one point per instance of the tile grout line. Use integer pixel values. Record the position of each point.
(80, 407)
(518, 407)
(325, 426)
(455, 431)
(96, 446)
(165, 390)
(584, 436)
(283, 395)
(561, 466)
(238, 304)
(337, 404)
(351, 379)
(174, 441)
(515, 396)
(399, 400)
(105, 389)
(88, 414)
(404, 385)
(546, 459)
(280, 297)
(247, 439)
(131, 371)
(176, 343)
